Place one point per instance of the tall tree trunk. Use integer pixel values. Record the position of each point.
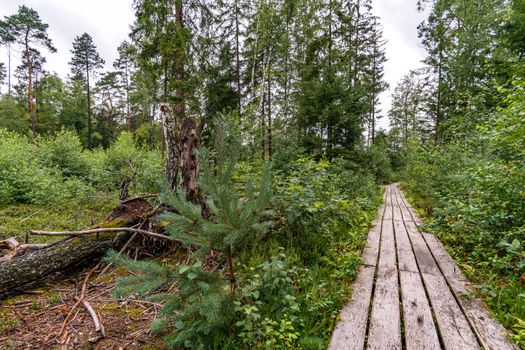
(238, 61)
(90, 125)
(128, 107)
(9, 69)
(438, 102)
(263, 126)
(171, 131)
(374, 82)
(356, 42)
(151, 127)
(269, 132)
(261, 115)
(329, 126)
(30, 86)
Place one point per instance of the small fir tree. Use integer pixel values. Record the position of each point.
(201, 308)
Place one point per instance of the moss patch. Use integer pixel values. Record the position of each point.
(16, 220)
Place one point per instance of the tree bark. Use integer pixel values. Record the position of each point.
(90, 126)
(9, 69)
(269, 131)
(438, 102)
(30, 86)
(171, 133)
(38, 264)
(238, 61)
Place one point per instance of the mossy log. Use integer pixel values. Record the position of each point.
(35, 265)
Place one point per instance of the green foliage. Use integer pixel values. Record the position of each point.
(64, 152)
(12, 116)
(476, 198)
(196, 316)
(24, 179)
(202, 310)
(519, 336)
(125, 159)
(56, 168)
(267, 312)
(70, 215)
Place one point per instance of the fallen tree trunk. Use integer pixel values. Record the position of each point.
(35, 265)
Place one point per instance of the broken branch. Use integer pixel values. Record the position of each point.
(98, 325)
(100, 230)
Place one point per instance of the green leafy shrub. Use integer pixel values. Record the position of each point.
(64, 153)
(476, 197)
(25, 179)
(126, 160)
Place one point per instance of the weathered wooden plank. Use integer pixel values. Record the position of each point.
(407, 216)
(492, 335)
(372, 244)
(420, 331)
(424, 258)
(450, 270)
(396, 209)
(350, 331)
(387, 216)
(385, 320)
(414, 216)
(455, 330)
(405, 256)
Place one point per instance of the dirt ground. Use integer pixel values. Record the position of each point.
(34, 320)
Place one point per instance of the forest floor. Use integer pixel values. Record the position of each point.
(34, 320)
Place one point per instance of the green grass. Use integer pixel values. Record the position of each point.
(16, 220)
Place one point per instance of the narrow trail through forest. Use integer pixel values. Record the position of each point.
(410, 294)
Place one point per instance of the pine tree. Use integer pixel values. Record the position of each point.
(26, 29)
(84, 64)
(202, 309)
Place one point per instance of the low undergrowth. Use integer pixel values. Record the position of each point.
(57, 169)
(17, 219)
(291, 280)
(476, 208)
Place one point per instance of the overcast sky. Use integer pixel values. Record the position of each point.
(108, 21)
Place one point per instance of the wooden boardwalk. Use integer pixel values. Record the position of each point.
(410, 294)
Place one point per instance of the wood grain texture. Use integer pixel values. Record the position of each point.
(420, 331)
(371, 250)
(492, 335)
(350, 331)
(405, 256)
(453, 325)
(417, 283)
(385, 319)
